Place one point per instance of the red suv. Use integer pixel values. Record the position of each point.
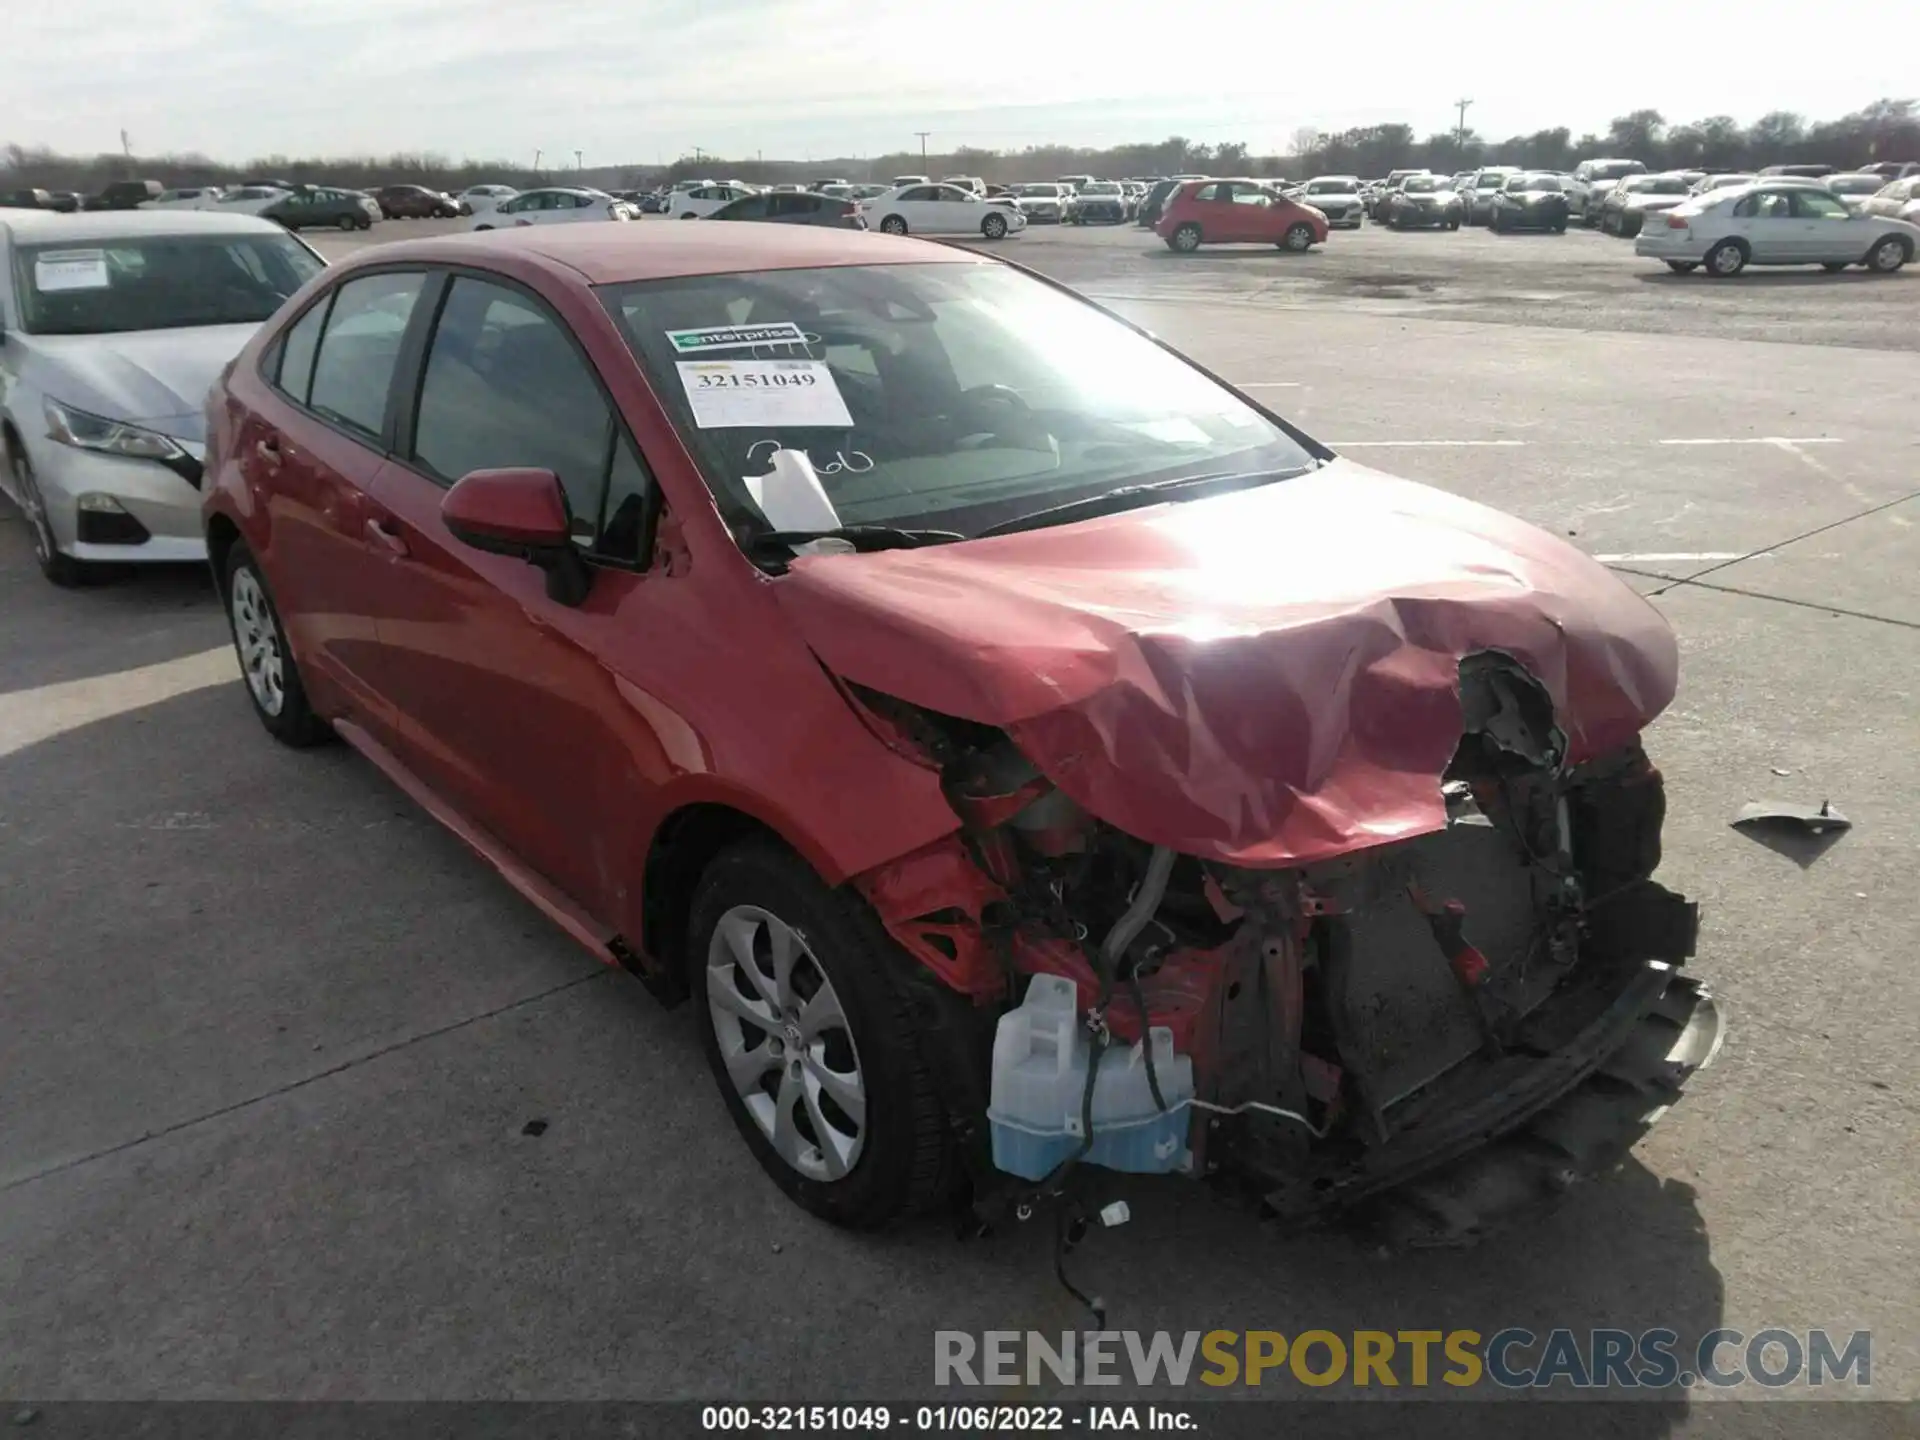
(1236, 212)
(1024, 749)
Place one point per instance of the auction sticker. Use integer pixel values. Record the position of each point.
(55, 270)
(733, 394)
(735, 337)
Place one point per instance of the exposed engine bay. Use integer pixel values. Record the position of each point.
(1447, 1027)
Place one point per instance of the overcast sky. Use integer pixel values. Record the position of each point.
(625, 82)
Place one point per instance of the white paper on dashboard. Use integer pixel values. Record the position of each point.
(791, 496)
(763, 394)
(56, 270)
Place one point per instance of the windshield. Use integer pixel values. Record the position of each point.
(1854, 184)
(1536, 183)
(1100, 187)
(1657, 185)
(1422, 185)
(1492, 179)
(1050, 192)
(1615, 169)
(956, 396)
(157, 282)
(1329, 187)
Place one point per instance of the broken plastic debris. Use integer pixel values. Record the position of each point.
(1815, 820)
(1115, 1214)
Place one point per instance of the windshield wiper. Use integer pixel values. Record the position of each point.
(863, 538)
(1133, 497)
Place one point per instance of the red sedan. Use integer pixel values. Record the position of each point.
(1236, 212)
(1016, 741)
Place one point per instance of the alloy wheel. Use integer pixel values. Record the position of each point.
(1888, 255)
(1299, 237)
(786, 1043)
(256, 634)
(35, 508)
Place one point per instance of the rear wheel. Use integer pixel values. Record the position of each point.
(813, 1045)
(894, 225)
(1185, 240)
(1833, 267)
(1298, 237)
(1683, 267)
(273, 680)
(994, 227)
(1889, 255)
(1454, 224)
(1727, 259)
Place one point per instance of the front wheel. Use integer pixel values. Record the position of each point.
(1453, 224)
(894, 225)
(813, 1044)
(273, 680)
(60, 568)
(479, 228)
(1299, 237)
(994, 227)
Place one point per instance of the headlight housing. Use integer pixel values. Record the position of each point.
(109, 437)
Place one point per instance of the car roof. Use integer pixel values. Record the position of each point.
(612, 253)
(51, 225)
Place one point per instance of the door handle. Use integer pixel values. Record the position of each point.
(381, 533)
(269, 452)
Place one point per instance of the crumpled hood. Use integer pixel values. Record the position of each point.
(1264, 678)
(157, 378)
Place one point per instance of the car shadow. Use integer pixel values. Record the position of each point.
(1773, 278)
(127, 617)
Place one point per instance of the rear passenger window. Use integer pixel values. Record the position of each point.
(504, 386)
(354, 369)
(297, 349)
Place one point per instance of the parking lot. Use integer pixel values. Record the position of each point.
(275, 1040)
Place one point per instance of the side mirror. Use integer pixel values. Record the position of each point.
(520, 513)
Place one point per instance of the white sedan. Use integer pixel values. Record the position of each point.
(941, 210)
(248, 199)
(1775, 223)
(1335, 196)
(703, 200)
(191, 197)
(558, 205)
(485, 197)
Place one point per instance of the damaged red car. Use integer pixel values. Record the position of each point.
(1026, 752)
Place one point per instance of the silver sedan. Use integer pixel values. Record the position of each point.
(1775, 223)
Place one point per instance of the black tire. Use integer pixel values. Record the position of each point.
(1185, 240)
(1726, 259)
(1833, 267)
(1560, 227)
(350, 222)
(478, 228)
(1683, 267)
(1497, 223)
(994, 227)
(60, 569)
(294, 724)
(1299, 238)
(1888, 254)
(894, 225)
(905, 1162)
(1453, 224)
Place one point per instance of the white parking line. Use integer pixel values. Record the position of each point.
(1763, 440)
(29, 716)
(1665, 557)
(1417, 444)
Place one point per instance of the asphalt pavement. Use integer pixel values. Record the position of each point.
(274, 1042)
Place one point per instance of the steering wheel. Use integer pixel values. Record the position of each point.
(1003, 394)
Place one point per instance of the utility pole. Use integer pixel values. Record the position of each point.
(923, 134)
(126, 145)
(1460, 129)
(536, 160)
(578, 163)
(699, 155)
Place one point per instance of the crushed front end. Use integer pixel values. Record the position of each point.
(1443, 1028)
